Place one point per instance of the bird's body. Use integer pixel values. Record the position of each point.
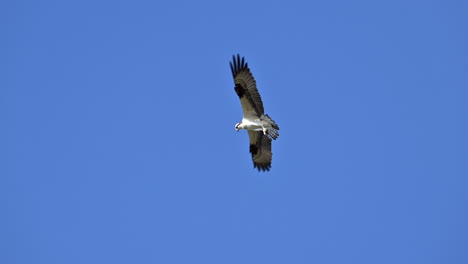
(261, 128)
(263, 123)
(254, 124)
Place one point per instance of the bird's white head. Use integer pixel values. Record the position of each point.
(237, 126)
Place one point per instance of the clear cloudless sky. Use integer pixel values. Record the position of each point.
(117, 140)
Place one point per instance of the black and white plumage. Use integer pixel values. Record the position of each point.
(261, 128)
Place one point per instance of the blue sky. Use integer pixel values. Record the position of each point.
(118, 142)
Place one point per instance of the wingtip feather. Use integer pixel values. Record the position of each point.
(262, 167)
(238, 63)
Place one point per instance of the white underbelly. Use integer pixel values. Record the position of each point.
(252, 125)
(254, 128)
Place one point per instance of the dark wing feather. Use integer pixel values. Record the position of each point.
(246, 88)
(260, 148)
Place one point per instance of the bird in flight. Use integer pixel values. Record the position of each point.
(261, 128)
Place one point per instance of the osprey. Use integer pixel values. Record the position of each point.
(261, 128)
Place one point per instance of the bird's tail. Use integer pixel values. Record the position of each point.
(272, 128)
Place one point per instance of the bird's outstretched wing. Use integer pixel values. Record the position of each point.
(246, 88)
(260, 148)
